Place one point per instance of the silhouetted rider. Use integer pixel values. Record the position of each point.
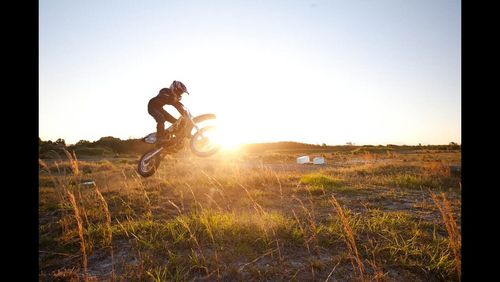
(166, 96)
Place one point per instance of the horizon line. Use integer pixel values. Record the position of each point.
(282, 141)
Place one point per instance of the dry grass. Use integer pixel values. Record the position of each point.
(73, 162)
(452, 229)
(349, 239)
(80, 232)
(109, 231)
(243, 220)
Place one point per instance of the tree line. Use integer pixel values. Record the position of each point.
(104, 147)
(114, 147)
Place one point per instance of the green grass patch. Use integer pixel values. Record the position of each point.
(320, 180)
(318, 183)
(411, 181)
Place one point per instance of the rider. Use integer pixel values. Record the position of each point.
(166, 96)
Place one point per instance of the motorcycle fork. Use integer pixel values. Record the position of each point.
(155, 154)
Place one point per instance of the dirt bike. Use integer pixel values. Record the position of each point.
(185, 128)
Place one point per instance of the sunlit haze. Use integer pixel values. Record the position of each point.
(368, 72)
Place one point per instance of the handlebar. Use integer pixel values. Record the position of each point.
(190, 117)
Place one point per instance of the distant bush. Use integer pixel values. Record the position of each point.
(106, 146)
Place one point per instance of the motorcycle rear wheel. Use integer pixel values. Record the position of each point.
(201, 144)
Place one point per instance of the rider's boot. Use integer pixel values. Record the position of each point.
(162, 137)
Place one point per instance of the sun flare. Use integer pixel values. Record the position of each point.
(226, 139)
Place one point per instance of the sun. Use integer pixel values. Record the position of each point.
(225, 132)
(223, 136)
(226, 139)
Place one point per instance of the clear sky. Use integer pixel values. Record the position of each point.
(368, 72)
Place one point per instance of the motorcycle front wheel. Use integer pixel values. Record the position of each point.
(204, 142)
(148, 167)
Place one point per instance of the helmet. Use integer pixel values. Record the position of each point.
(178, 87)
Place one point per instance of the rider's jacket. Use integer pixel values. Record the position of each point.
(166, 97)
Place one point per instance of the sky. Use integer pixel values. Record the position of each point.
(368, 72)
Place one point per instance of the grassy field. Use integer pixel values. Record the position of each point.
(389, 216)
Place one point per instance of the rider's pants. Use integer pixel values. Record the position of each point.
(160, 115)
